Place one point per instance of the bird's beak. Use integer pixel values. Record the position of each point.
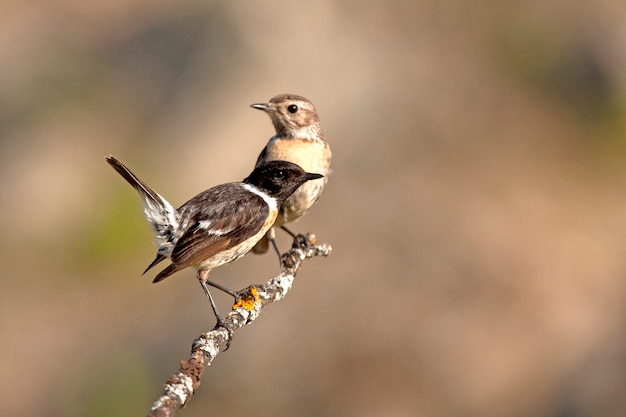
(310, 176)
(262, 106)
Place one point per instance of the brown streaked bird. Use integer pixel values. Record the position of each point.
(218, 225)
(299, 139)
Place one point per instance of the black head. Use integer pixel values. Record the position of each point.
(279, 179)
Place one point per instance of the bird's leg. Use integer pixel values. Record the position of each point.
(290, 255)
(300, 240)
(292, 234)
(275, 246)
(271, 237)
(222, 288)
(202, 278)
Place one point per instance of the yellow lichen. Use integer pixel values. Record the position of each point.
(249, 300)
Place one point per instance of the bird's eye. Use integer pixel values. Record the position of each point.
(281, 174)
(292, 108)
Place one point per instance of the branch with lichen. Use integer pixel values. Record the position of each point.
(180, 387)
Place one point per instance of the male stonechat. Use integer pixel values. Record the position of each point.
(299, 139)
(218, 225)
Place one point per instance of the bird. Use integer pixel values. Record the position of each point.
(219, 225)
(298, 139)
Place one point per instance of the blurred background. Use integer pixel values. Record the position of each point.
(477, 207)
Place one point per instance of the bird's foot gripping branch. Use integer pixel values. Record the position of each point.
(180, 387)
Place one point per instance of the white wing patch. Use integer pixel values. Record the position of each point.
(206, 225)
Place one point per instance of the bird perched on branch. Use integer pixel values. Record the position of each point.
(218, 225)
(299, 139)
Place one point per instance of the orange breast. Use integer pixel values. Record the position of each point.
(312, 156)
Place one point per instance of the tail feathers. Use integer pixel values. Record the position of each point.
(158, 259)
(169, 270)
(141, 187)
(161, 215)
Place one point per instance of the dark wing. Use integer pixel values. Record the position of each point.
(218, 219)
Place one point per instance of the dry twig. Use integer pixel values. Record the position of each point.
(180, 387)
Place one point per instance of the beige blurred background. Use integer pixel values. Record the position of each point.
(477, 207)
